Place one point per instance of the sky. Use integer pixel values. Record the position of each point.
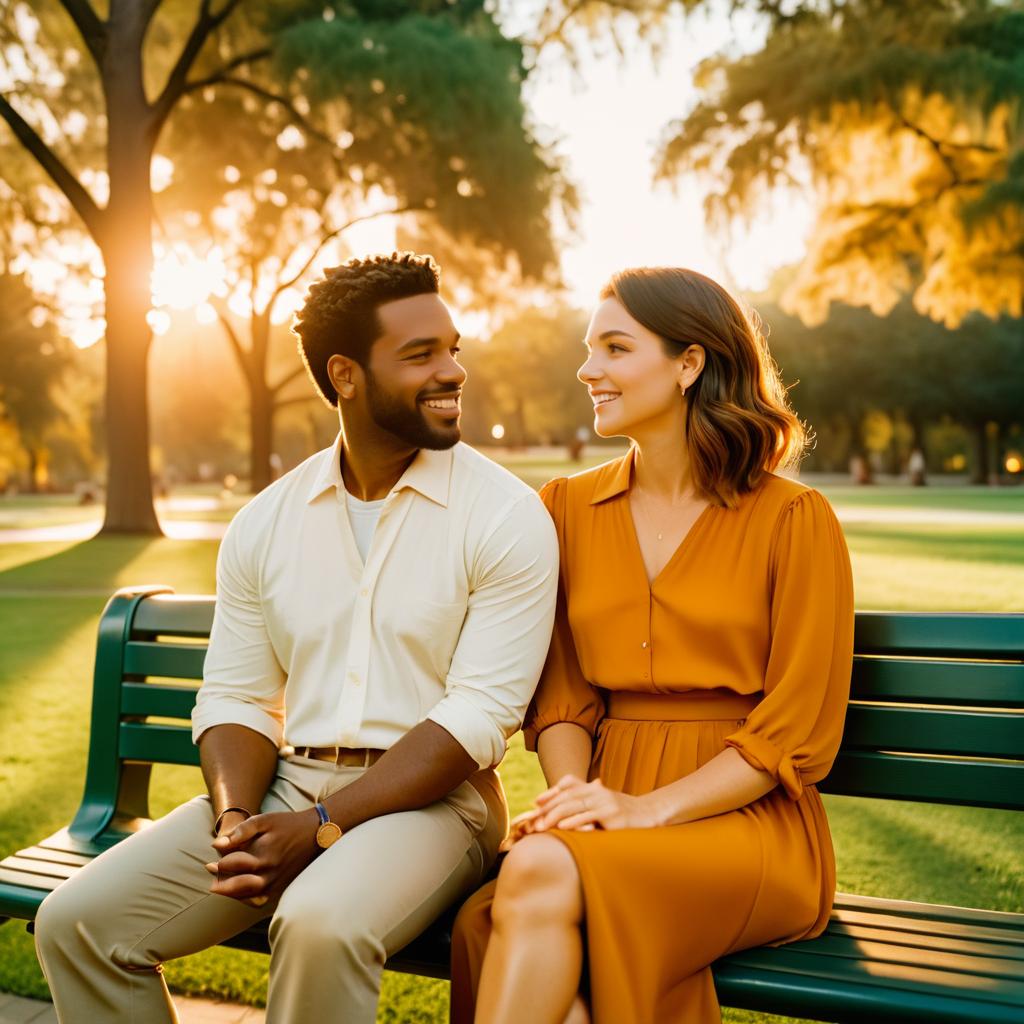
(610, 119)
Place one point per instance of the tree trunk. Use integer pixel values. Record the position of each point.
(980, 464)
(261, 435)
(127, 247)
(261, 403)
(33, 469)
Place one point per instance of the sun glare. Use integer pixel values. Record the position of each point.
(182, 280)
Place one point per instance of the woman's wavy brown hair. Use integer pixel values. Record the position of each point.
(739, 423)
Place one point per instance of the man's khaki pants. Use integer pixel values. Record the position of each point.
(102, 936)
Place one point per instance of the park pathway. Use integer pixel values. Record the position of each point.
(206, 530)
(15, 1010)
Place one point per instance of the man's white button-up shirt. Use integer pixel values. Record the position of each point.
(448, 619)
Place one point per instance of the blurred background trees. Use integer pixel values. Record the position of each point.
(243, 148)
(389, 89)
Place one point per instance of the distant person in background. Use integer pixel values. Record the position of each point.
(916, 468)
(694, 693)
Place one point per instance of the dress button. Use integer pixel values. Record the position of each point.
(644, 645)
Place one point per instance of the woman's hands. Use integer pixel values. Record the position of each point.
(260, 856)
(574, 805)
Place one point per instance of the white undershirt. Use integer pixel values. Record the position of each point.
(363, 516)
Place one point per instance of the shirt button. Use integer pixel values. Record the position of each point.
(364, 591)
(644, 645)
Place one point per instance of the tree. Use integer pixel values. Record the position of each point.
(907, 121)
(89, 98)
(904, 365)
(35, 360)
(432, 128)
(527, 370)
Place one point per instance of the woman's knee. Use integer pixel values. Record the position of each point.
(539, 880)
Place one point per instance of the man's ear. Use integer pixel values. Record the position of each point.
(342, 372)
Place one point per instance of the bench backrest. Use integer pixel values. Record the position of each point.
(936, 711)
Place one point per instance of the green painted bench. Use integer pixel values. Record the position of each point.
(936, 714)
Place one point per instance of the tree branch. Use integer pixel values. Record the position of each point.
(175, 87)
(236, 344)
(287, 379)
(83, 203)
(284, 285)
(92, 29)
(270, 97)
(221, 73)
(297, 400)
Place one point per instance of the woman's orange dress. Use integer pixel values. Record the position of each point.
(744, 640)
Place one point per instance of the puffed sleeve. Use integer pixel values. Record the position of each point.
(795, 731)
(563, 694)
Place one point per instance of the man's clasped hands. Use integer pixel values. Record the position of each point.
(261, 854)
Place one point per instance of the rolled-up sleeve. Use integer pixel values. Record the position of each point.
(243, 682)
(505, 635)
(796, 730)
(563, 694)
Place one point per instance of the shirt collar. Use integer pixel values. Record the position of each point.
(428, 474)
(614, 478)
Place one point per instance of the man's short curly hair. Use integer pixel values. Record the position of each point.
(340, 313)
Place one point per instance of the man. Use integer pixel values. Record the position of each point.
(383, 612)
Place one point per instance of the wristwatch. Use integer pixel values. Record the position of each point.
(328, 833)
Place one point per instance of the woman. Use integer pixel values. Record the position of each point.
(698, 678)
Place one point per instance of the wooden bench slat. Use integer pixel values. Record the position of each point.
(930, 929)
(799, 958)
(935, 731)
(176, 661)
(951, 956)
(927, 779)
(855, 996)
(969, 945)
(909, 910)
(174, 615)
(972, 684)
(945, 634)
(55, 856)
(157, 699)
(161, 744)
(43, 868)
(28, 879)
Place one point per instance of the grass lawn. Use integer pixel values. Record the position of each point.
(51, 596)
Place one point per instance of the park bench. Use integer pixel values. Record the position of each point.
(936, 714)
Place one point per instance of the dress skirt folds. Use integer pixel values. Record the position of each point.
(744, 640)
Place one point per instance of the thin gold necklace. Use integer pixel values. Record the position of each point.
(644, 513)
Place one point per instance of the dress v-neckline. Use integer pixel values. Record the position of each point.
(674, 557)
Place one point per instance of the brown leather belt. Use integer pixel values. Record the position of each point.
(352, 757)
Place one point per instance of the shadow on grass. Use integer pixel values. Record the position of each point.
(996, 546)
(951, 855)
(93, 564)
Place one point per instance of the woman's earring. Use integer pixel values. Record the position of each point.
(682, 390)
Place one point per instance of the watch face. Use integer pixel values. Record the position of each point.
(327, 834)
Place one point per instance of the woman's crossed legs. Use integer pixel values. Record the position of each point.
(535, 954)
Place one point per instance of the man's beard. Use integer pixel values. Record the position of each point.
(408, 425)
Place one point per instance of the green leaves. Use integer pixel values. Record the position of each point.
(902, 121)
(432, 111)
